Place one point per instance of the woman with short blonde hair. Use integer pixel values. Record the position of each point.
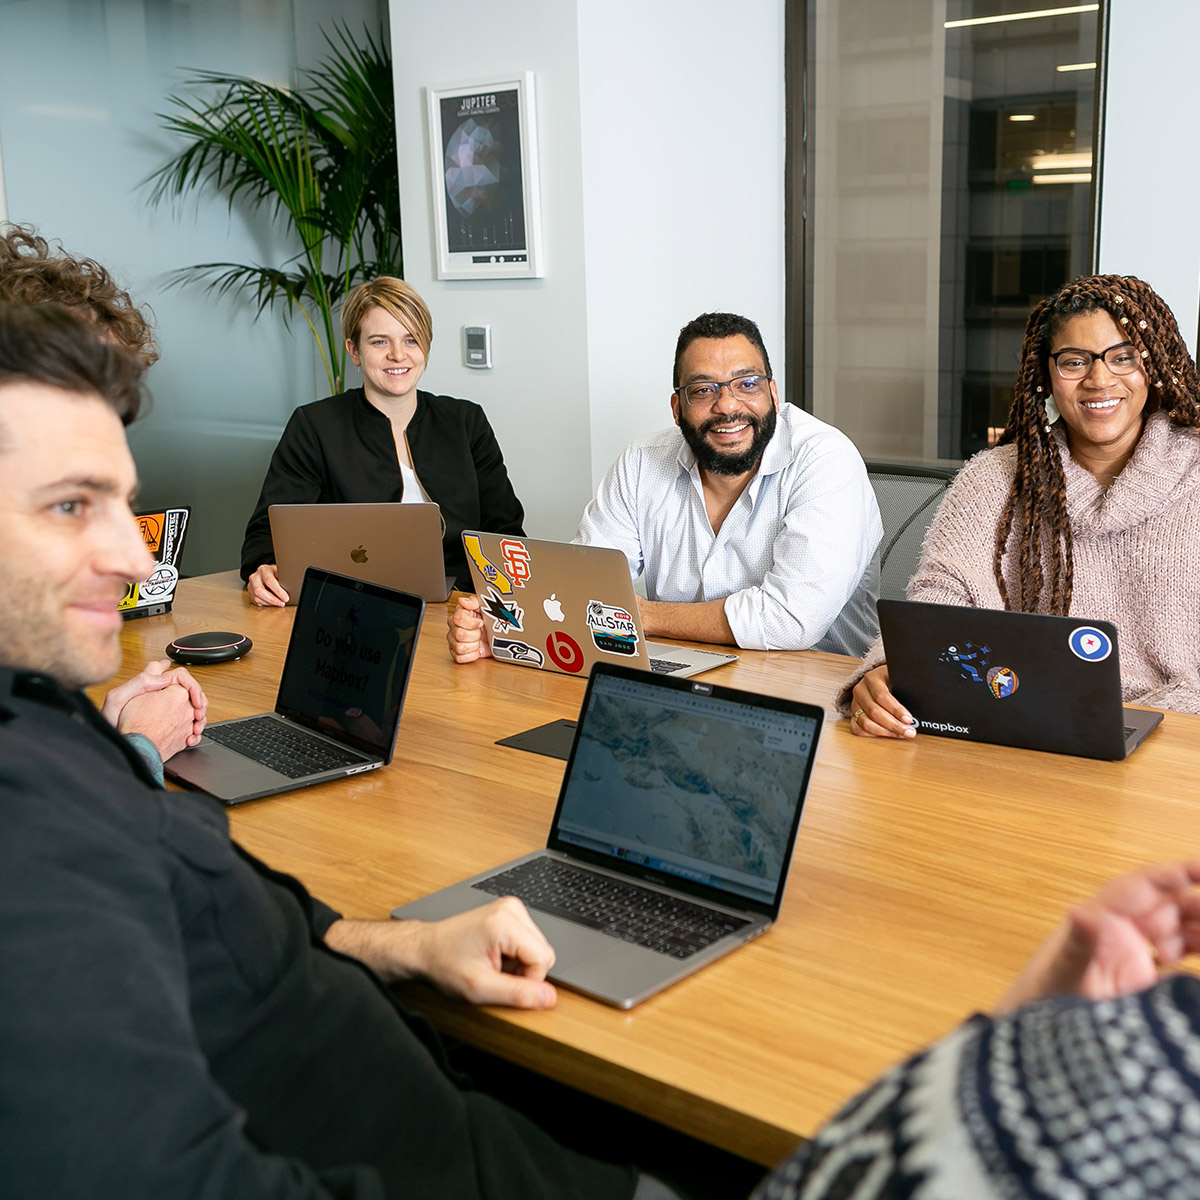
(386, 441)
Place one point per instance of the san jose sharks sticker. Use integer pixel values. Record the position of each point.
(613, 629)
(506, 614)
(518, 652)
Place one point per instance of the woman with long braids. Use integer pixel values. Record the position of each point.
(1089, 504)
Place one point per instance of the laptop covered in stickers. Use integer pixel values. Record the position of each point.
(558, 606)
(1017, 679)
(163, 531)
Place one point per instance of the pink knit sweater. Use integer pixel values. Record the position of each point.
(1137, 558)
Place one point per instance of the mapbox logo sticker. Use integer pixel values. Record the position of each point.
(1092, 645)
(613, 629)
(564, 651)
(518, 652)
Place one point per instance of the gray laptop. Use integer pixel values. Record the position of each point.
(1018, 679)
(398, 545)
(672, 838)
(340, 696)
(561, 607)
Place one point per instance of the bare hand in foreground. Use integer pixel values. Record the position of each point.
(875, 712)
(489, 955)
(265, 589)
(1116, 943)
(464, 634)
(165, 704)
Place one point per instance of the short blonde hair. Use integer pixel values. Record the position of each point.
(394, 296)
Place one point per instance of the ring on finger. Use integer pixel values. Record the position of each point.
(858, 712)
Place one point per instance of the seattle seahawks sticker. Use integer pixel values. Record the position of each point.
(518, 652)
(613, 629)
(1090, 644)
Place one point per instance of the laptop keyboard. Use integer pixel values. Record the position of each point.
(621, 910)
(282, 748)
(664, 666)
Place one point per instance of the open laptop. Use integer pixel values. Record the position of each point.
(398, 545)
(563, 607)
(163, 531)
(672, 838)
(1018, 679)
(340, 696)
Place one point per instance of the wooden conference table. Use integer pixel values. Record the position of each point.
(923, 876)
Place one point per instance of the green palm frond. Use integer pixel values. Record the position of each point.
(320, 159)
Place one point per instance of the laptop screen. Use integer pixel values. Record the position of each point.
(700, 785)
(349, 659)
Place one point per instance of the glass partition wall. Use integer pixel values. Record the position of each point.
(943, 164)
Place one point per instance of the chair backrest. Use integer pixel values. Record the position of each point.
(908, 497)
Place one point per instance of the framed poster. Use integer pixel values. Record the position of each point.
(483, 169)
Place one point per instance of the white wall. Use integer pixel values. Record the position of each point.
(1151, 173)
(536, 392)
(634, 99)
(683, 149)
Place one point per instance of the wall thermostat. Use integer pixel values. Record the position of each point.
(477, 345)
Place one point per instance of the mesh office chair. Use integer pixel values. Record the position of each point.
(908, 497)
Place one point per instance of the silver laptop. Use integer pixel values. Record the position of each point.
(562, 607)
(340, 696)
(398, 545)
(672, 838)
(1018, 679)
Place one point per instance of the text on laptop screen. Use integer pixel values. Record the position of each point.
(348, 661)
(701, 788)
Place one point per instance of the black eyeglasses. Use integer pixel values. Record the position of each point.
(707, 392)
(1121, 359)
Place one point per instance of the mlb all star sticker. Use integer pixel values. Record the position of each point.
(1090, 644)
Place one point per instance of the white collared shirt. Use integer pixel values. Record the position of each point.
(795, 560)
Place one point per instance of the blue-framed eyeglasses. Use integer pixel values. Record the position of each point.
(708, 391)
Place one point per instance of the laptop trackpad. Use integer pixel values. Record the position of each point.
(221, 772)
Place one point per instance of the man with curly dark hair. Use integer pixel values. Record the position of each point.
(31, 272)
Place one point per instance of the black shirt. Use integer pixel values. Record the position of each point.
(172, 1024)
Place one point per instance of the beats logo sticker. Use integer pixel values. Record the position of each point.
(564, 651)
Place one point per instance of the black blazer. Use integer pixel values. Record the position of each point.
(341, 451)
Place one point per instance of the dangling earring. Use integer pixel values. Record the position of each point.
(1052, 413)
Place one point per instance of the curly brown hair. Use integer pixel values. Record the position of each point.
(1036, 508)
(32, 273)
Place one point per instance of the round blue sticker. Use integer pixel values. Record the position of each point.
(1092, 645)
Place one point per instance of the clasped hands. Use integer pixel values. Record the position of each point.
(162, 703)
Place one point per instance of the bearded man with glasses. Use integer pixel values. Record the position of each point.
(752, 524)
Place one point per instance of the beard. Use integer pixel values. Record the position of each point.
(720, 462)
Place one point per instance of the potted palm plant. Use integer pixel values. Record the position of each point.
(322, 157)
